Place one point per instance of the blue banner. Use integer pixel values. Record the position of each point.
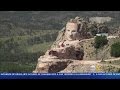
(59, 75)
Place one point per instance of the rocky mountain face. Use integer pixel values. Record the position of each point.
(73, 49)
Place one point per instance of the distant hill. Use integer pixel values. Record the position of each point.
(26, 22)
(49, 19)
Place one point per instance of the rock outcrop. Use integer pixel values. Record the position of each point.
(73, 44)
(51, 66)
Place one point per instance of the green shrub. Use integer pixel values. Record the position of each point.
(100, 41)
(115, 50)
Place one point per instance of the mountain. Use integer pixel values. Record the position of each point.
(26, 35)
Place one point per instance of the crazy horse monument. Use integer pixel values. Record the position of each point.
(69, 49)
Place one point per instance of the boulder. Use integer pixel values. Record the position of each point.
(53, 66)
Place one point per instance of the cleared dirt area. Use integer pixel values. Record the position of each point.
(88, 66)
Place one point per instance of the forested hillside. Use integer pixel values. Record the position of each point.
(47, 20)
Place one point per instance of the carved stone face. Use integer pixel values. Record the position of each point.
(71, 31)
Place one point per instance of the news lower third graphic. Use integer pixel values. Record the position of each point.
(59, 75)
